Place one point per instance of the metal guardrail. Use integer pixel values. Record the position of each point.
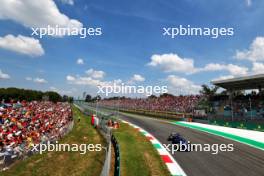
(107, 133)
(117, 156)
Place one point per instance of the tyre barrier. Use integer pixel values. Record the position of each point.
(117, 156)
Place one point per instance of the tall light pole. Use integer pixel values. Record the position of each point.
(250, 106)
(96, 105)
(118, 106)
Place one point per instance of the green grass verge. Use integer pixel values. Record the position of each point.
(256, 144)
(138, 156)
(65, 163)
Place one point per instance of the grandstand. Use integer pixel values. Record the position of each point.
(237, 104)
(242, 83)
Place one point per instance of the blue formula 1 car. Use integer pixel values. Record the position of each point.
(177, 139)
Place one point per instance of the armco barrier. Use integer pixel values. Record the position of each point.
(117, 156)
(107, 134)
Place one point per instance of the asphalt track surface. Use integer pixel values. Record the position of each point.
(243, 161)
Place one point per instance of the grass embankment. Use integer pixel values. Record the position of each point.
(65, 163)
(138, 156)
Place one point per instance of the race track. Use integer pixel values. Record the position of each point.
(243, 161)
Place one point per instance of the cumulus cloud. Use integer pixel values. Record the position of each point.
(62, 92)
(40, 80)
(28, 78)
(70, 78)
(90, 81)
(80, 61)
(22, 44)
(248, 2)
(258, 68)
(4, 75)
(92, 78)
(97, 74)
(172, 63)
(223, 77)
(37, 80)
(84, 80)
(234, 70)
(69, 2)
(40, 13)
(179, 85)
(137, 78)
(255, 51)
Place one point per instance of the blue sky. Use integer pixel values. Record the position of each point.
(131, 37)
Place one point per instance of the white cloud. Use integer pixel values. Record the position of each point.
(4, 75)
(248, 2)
(80, 61)
(235, 70)
(36, 80)
(22, 44)
(172, 63)
(181, 85)
(255, 51)
(40, 80)
(91, 78)
(28, 78)
(69, 2)
(97, 74)
(137, 78)
(40, 13)
(85, 80)
(258, 68)
(70, 78)
(62, 92)
(213, 67)
(223, 77)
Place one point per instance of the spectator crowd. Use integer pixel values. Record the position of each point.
(23, 124)
(163, 103)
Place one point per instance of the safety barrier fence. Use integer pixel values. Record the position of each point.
(9, 154)
(117, 156)
(106, 132)
(158, 114)
(242, 123)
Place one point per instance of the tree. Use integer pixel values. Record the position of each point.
(53, 96)
(65, 98)
(70, 99)
(88, 98)
(166, 95)
(152, 97)
(208, 93)
(16, 94)
(96, 98)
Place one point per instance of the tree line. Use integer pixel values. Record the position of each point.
(8, 94)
